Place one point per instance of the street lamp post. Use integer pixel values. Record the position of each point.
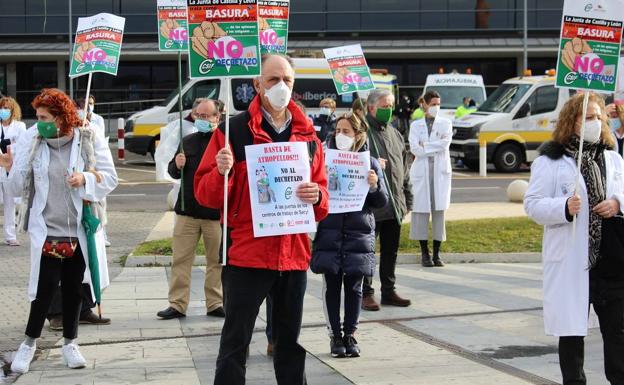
(526, 37)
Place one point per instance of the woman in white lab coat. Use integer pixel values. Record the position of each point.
(430, 174)
(62, 167)
(11, 131)
(576, 271)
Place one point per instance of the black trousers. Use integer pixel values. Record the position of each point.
(69, 272)
(571, 349)
(352, 302)
(389, 233)
(244, 289)
(56, 307)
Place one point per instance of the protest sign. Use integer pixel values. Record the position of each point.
(589, 50)
(273, 25)
(172, 25)
(223, 38)
(347, 175)
(349, 69)
(275, 171)
(98, 45)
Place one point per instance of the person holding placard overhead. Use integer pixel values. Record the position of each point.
(257, 266)
(583, 262)
(431, 172)
(344, 246)
(12, 129)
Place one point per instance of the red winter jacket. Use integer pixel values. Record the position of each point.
(282, 253)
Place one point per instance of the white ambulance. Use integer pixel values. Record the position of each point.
(314, 83)
(514, 121)
(453, 88)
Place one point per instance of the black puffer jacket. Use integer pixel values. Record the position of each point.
(346, 242)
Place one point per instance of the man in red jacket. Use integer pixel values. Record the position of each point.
(275, 265)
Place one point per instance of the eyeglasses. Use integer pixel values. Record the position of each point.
(205, 116)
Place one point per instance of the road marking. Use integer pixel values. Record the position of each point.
(126, 195)
(137, 170)
(476, 188)
(461, 174)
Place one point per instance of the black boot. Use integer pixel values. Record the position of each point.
(424, 251)
(436, 254)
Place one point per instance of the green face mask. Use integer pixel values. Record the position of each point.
(47, 129)
(384, 115)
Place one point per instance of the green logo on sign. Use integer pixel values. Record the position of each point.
(288, 193)
(206, 66)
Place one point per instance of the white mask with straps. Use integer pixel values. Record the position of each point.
(344, 142)
(593, 128)
(278, 95)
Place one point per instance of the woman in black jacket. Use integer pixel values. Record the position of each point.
(344, 246)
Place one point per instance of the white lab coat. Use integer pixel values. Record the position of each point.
(564, 255)
(98, 125)
(91, 191)
(13, 132)
(424, 146)
(168, 147)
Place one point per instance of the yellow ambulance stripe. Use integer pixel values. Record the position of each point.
(517, 136)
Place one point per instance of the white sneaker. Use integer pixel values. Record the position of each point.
(107, 243)
(72, 357)
(23, 357)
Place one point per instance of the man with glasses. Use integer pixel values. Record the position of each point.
(194, 221)
(387, 145)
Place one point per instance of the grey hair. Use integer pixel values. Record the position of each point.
(267, 56)
(375, 95)
(199, 101)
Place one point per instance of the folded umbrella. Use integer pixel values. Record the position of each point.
(91, 224)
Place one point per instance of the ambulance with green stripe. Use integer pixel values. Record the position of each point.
(512, 123)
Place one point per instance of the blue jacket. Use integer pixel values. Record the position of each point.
(346, 242)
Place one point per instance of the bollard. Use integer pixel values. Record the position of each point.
(121, 147)
(482, 158)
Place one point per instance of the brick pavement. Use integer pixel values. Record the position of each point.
(125, 229)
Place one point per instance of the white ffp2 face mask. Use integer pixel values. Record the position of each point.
(593, 128)
(433, 111)
(344, 142)
(278, 95)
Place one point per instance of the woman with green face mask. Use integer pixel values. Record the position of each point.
(58, 167)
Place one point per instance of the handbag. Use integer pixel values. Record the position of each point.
(59, 248)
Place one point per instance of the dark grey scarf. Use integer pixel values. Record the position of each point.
(593, 172)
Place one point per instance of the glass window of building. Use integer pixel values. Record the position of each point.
(31, 79)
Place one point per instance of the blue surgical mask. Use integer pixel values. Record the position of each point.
(204, 125)
(615, 123)
(5, 114)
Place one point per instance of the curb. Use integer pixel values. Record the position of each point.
(402, 259)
